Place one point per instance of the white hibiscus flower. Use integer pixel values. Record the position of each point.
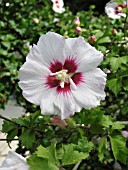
(61, 75)
(115, 10)
(58, 6)
(14, 161)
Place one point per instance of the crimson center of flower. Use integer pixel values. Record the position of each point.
(63, 77)
(119, 8)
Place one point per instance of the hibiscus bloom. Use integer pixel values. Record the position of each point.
(14, 161)
(58, 6)
(61, 75)
(115, 10)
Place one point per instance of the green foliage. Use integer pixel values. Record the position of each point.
(11, 130)
(37, 163)
(27, 138)
(117, 63)
(72, 156)
(120, 151)
(114, 85)
(32, 131)
(48, 153)
(102, 148)
(57, 157)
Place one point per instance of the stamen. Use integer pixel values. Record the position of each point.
(73, 86)
(119, 9)
(53, 74)
(58, 73)
(62, 84)
(64, 77)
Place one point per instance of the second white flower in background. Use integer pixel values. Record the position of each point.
(58, 6)
(115, 10)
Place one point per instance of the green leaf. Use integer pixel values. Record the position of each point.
(8, 126)
(37, 163)
(72, 156)
(120, 151)
(102, 148)
(27, 138)
(21, 121)
(11, 129)
(71, 123)
(11, 134)
(114, 85)
(3, 52)
(104, 40)
(96, 129)
(48, 153)
(98, 33)
(117, 125)
(90, 116)
(6, 44)
(123, 73)
(116, 63)
(102, 48)
(106, 121)
(84, 145)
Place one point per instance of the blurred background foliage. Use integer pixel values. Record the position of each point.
(21, 25)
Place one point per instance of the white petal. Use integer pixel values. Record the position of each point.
(111, 13)
(51, 47)
(58, 104)
(34, 55)
(47, 103)
(122, 14)
(111, 4)
(87, 57)
(32, 81)
(66, 104)
(91, 91)
(14, 161)
(58, 10)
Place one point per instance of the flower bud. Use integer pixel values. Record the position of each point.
(125, 134)
(77, 21)
(35, 20)
(114, 31)
(78, 30)
(92, 39)
(56, 120)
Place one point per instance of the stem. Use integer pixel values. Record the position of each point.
(4, 118)
(76, 166)
(123, 122)
(8, 139)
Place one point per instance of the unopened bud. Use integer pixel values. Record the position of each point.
(77, 21)
(114, 31)
(35, 20)
(92, 39)
(125, 134)
(56, 120)
(78, 30)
